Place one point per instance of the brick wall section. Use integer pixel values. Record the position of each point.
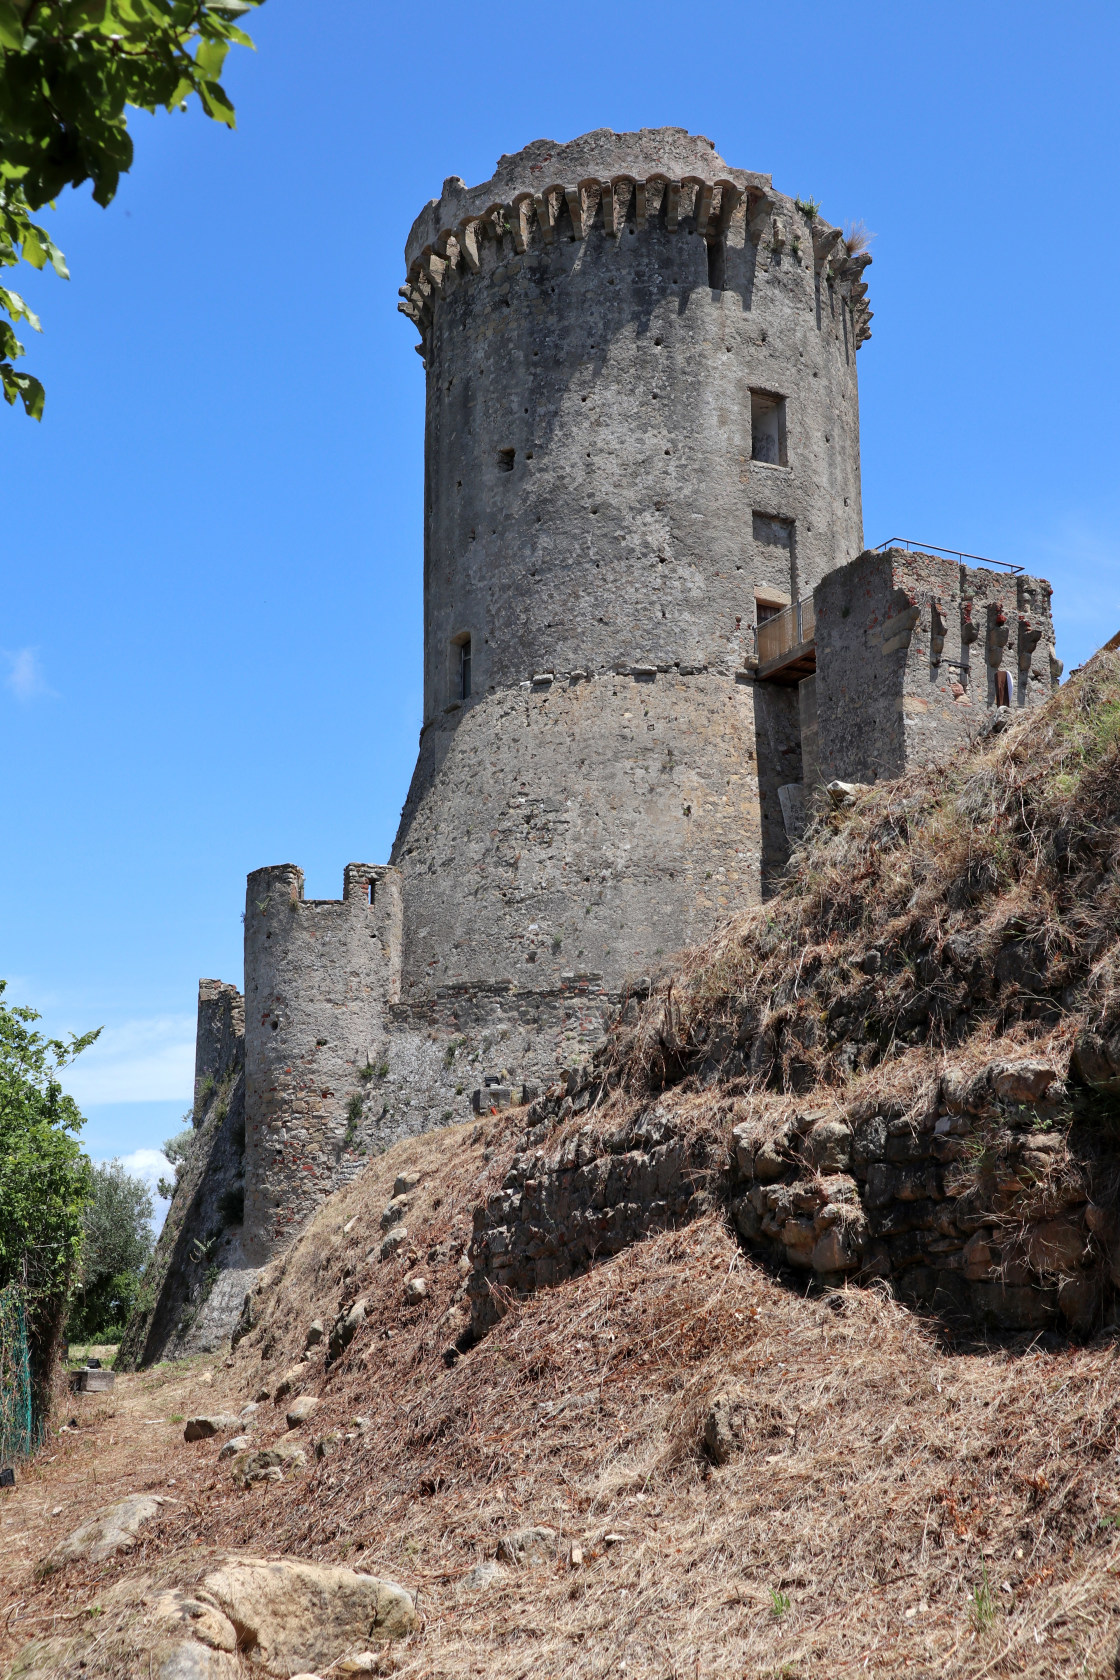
(908, 651)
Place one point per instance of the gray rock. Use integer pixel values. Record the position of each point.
(238, 1443)
(393, 1243)
(405, 1182)
(1021, 1082)
(483, 1575)
(268, 1464)
(184, 1659)
(178, 1612)
(828, 1146)
(315, 1333)
(300, 1410)
(415, 1290)
(528, 1545)
(395, 1211)
(719, 1431)
(346, 1327)
(116, 1529)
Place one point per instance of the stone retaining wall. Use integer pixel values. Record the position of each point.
(993, 1201)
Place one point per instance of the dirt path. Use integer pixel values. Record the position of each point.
(112, 1445)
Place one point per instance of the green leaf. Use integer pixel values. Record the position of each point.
(17, 309)
(33, 394)
(210, 57)
(11, 27)
(214, 98)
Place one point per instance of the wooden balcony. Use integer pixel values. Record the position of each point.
(786, 644)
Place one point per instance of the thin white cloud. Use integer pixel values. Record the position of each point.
(138, 1061)
(25, 675)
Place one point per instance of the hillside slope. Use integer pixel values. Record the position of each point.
(625, 1383)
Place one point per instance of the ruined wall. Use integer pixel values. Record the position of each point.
(197, 1277)
(319, 978)
(641, 407)
(991, 1201)
(909, 648)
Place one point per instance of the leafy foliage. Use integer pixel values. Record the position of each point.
(178, 1151)
(44, 1177)
(68, 70)
(118, 1245)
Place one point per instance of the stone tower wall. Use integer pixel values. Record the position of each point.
(320, 976)
(598, 324)
(908, 650)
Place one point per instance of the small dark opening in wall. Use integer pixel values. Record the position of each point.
(465, 669)
(372, 890)
(716, 264)
(506, 459)
(768, 429)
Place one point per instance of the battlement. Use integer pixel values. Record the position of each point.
(320, 975)
(613, 184)
(219, 1038)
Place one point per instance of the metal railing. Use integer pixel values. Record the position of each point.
(909, 543)
(788, 629)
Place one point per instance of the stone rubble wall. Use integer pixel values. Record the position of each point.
(989, 1206)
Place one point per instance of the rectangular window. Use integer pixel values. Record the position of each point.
(768, 429)
(767, 606)
(465, 668)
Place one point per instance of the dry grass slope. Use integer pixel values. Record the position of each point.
(975, 900)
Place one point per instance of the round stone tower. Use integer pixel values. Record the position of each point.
(642, 437)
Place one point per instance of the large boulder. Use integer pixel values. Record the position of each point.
(178, 1613)
(291, 1615)
(184, 1660)
(116, 1529)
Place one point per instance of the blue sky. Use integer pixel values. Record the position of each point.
(210, 619)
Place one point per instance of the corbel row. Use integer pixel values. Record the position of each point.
(609, 205)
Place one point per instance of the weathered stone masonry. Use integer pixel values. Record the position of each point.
(641, 440)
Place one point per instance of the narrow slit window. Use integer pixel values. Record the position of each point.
(717, 252)
(768, 429)
(372, 890)
(465, 669)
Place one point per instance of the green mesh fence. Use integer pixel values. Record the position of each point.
(16, 1440)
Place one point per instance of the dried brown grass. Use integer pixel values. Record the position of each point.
(882, 1473)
